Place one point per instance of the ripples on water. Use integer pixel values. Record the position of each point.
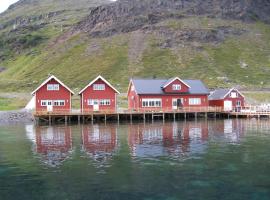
(169, 160)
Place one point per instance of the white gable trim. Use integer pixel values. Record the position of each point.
(50, 78)
(176, 78)
(231, 91)
(103, 79)
(129, 87)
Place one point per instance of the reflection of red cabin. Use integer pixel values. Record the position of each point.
(172, 137)
(99, 139)
(54, 143)
(229, 128)
(228, 99)
(172, 94)
(53, 95)
(98, 95)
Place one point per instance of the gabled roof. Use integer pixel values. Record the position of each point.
(222, 93)
(50, 78)
(103, 79)
(168, 82)
(155, 86)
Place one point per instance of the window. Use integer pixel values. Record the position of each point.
(54, 103)
(238, 103)
(194, 101)
(234, 94)
(105, 102)
(59, 103)
(176, 87)
(51, 87)
(43, 102)
(151, 102)
(99, 87)
(90, 102)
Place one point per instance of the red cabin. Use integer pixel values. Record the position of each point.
(228, 99)
(172, 94)
(99, 95)
(53, 96)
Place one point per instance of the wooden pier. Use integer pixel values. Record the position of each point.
(145, 115)
(125, 115)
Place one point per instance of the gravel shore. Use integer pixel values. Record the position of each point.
(20, 116)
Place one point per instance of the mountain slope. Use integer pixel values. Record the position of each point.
(224, 43)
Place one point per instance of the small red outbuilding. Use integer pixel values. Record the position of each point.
(98, 95)
(52, 96)
(228, 99)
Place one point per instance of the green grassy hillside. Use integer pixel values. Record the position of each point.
(29, 55)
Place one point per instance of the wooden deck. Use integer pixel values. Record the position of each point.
(143, 114)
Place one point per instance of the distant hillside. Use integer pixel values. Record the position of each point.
(222, 42)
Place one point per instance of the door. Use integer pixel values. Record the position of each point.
(227, 105)
(177, 103)
(174, 104)
(96, 105)
(49, 106)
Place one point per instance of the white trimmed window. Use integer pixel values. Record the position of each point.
(105, 102)
(51, 102)
(194, 101)
(90, 102)
(176, 87)
(43, 102)
(234, 95)
(238, 103)
(59, 102)
(99, 86)
(52, 87)
(151, 103)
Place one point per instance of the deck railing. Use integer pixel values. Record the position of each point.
(129, 111)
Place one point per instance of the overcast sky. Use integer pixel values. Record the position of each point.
(4, 4)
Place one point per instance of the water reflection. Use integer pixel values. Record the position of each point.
(175, 139)
(53, 144)
(178, 140)
(99, 141)
(230, 130)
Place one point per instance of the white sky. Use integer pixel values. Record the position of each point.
(4, 4)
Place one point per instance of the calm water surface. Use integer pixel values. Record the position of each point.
(222, 159)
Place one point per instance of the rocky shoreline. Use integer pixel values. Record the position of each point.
(20, 116)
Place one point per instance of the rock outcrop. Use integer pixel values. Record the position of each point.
(130, 15)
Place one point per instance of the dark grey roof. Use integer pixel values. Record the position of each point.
(154, 86)
(218, 94)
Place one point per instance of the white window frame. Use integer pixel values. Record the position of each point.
(105, 102)
(234, 95)
(176, 87)
(195, 101)
(90, 102)
(151, 103)
(43, 102)
(99, 86)
(53, 87)
(59, 103)
(238, 103)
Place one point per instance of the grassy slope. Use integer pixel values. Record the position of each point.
(80, 59)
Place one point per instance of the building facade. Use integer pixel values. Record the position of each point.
(52, 96)
(228, 99)
(99, 95)
(166, 95)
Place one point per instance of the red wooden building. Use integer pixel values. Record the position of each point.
(172, 94)
(52, 96)
(228, 99)
(98, 95)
